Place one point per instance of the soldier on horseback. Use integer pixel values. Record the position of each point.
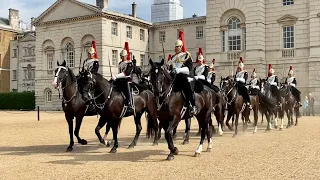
(201, 71)
(136, 74)
(182, 67)
(273, 81)
(211, 78)
(292, 83)
(124, 77)
(91, 64)
(254, 84)
(241, 78)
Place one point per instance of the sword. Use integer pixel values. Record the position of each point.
(164, 55)
(109, 64)
(80, 58)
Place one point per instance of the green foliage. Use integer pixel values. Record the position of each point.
(17, 101)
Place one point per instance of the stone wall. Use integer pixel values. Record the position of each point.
(5, 38)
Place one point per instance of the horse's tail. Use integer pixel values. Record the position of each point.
(151, 116)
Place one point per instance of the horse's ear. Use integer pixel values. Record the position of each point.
(162, 62)
(64, 63)
(58, 63)
(150, 62)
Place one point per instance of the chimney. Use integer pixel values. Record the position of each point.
(102, 4)
(194, 15)
(32, 27)
(14, 19)
(134, 8)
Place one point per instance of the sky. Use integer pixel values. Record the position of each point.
(33, 8)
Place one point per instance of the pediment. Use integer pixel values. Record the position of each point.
(65, 9)
(27, 38)
(287, 19)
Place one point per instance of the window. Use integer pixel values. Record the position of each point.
(70, 55)
(14, 90)
(14, 75)
(234, 34)
(29, 72)
(162, 36)
(114, 28)
(29, 52)
(33, 53)
(25, 52)
(288, 2)
(288, 37)
(142, 57)
(199, 31)
(15, 53)
(50, 61)
(25, 74)
(129, 32)
(48, 96)
(223, 41)
(142, 34)
(114, 57)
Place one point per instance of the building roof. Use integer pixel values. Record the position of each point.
(4, 21)
(179, 22)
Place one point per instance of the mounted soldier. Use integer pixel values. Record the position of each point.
(201, 70)
(181, 66)
(254, 83)
(241, 78)
(123, 79)
(292, 83)
(273, 81)
(136, 74)
(91, 64)
(211, 78)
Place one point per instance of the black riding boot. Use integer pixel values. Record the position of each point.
(192, 98)
(128, 101)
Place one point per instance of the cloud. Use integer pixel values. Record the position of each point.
(33, 8)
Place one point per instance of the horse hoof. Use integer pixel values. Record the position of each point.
(234, 135)
(83, 142)
(185, 142)
(170, 157)
(196, 154)
(296, 124)
(208, 149)
(108, 144)
(131, 146)
(276, 127)
(280, 129)
(69, 149)
(113, 151)
(175, 151)
(155, 144)
(174, 136)
(198, 134)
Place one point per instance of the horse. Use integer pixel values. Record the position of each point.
(275, 112)
(291, 106)
(72, 101)
(171, 106)
(109, 103)
(235, 102)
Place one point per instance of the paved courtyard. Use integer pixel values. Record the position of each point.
(31, 149)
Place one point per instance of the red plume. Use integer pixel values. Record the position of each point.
(126, 46)
(199, 52)
(270, 66)
(241, 60)
(181, 37)
(95, 49)
(169, 57)
(290, 68)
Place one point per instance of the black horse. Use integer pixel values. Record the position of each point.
(109, 103)
(172, 105)
(72, 102)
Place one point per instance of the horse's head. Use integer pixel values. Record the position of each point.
(226, 84)
(86, 83)
(157, 76)
(61, 74)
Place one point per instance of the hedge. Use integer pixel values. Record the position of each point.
(17, 101)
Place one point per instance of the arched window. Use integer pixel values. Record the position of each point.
(48, 96)
(234, 34)
(70, 55)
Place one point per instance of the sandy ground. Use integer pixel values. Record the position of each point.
(31, 149)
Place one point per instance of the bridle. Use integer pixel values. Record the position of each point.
(228, 83)
(63, 88)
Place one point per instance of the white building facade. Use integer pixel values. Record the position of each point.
(23, 62)
(279, 32)
(166, 10)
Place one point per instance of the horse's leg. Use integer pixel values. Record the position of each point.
(261, 118)
(169, 133)
(203, 121)
(101, 123)
(209, 134)
(70, 126)
(199, 130)
(297, 114)
(256, 115)
(292, 116)
(288, 117)
(159, 129)
(77, 129)
(236, 125)
(105, 137)
(114, 126)
(187, 131)
(227, 121)
(137, 121)
(219, 120)
(174, 135)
